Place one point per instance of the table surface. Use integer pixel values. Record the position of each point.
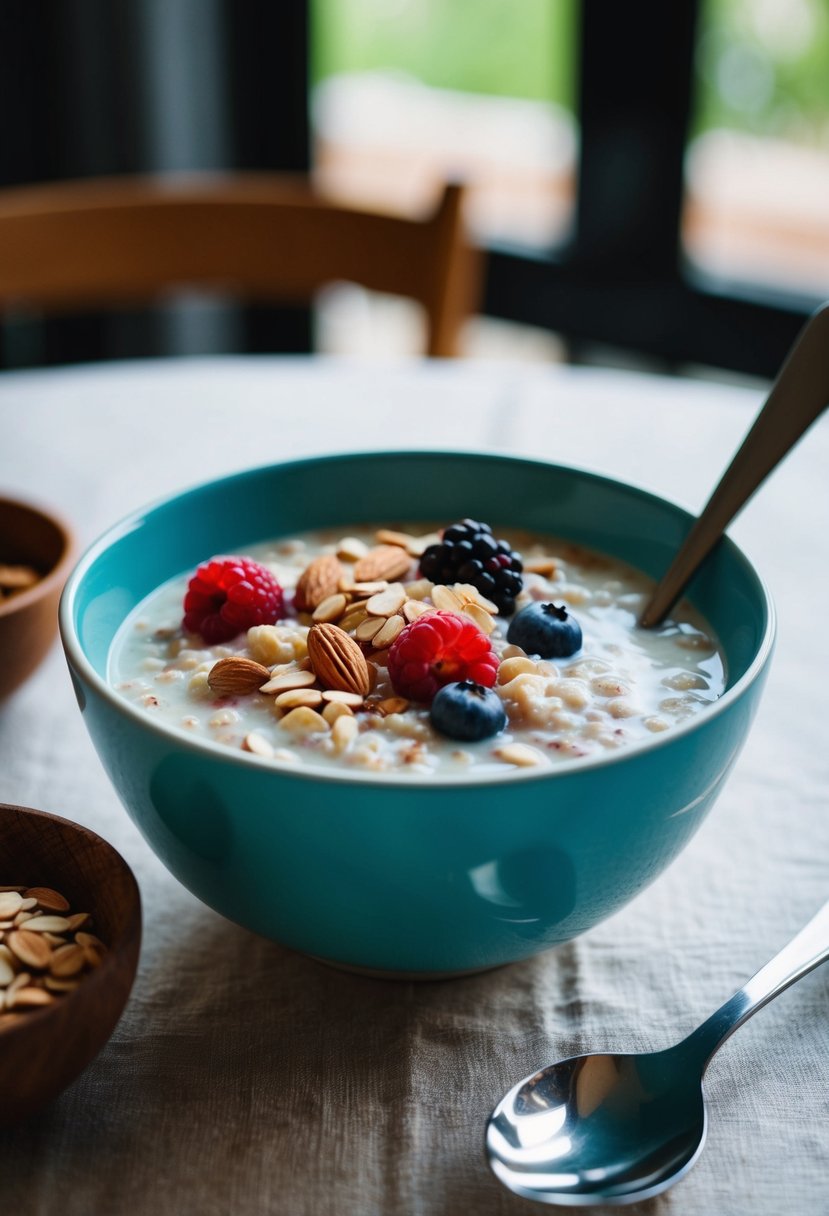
(244, 1078)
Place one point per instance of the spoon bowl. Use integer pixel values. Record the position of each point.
(599, 1128)
(615, 1129)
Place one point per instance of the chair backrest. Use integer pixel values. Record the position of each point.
(120, 241)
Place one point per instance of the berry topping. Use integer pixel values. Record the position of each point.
(440, 648)
(469, 553)
(545, 630)
(467, 711)
(229, 594)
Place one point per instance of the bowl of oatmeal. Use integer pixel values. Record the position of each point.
(394, 710)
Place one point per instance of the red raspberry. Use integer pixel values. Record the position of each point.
(439, 648)
(229, 594)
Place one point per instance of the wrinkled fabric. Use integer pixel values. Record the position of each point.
(245, 1079)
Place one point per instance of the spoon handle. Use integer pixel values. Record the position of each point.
(799, 394)
(807, 950)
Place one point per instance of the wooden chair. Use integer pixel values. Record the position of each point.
(124, 241)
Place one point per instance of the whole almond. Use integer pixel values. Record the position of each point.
(386, 561)
(318, 581)
(237, 676)
(337, 659)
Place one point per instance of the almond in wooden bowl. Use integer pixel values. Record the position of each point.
(35, 558)
(47, 1041)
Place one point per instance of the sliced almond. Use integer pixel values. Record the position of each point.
(351, 549)
(10, 902)
(366, 630)
(338, 660)
(480, 616)
(355, 616)
(362, 591)
(344, 732)
(392, 705)
(67, 960)
(29, 998)
(386, 561)
(469, 594)
(297, 678)
(413, 545)
(334, 710)
(545, 566)
(30, 948)
(299, 696)
(22, 917)
(60, 985)
(89, 939)
(49, 900)
(77, 920)
(21, 980)
(6, 973)
(386, 603)
(336, 695)
(519, 754)
(47, 924)
(412, 609)
(257, 744)
(303, 721)
(237, 676)
(445, 599)
(55, 939)
(331, 608)
(317, 582)
(390, 631)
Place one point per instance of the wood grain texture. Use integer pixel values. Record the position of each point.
(29, 619)
(121, 241)
(44, 1050)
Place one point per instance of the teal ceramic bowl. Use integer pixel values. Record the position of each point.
(392, 873)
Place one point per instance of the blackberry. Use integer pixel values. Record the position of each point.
(469, 553)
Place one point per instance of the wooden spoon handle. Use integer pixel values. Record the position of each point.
(798, 396)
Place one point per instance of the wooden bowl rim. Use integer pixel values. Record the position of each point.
(35, 1017)
(56, 577)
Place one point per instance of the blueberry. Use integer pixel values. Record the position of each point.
(545, 630)
(467, 711)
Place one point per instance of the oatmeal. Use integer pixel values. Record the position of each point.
(388, 651)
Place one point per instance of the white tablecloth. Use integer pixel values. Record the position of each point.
(245, 1079)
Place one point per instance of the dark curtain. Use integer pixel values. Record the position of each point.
(92, 87)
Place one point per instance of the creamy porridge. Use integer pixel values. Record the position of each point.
(364, 663)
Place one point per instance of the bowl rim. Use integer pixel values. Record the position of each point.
(100, 976)
(59, 572)
(217, 751)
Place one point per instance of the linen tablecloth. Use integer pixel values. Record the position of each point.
(246, 1079)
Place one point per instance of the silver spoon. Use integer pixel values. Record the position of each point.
(615, 1129)
(799, 394)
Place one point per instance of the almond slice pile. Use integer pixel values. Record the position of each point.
(45, 948)
(355, 606)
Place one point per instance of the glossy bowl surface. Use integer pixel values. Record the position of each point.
(43, 1050)
(30, 536)
(392, 873)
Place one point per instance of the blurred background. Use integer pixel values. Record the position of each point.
(649, 180)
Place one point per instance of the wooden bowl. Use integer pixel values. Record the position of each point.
(30, 536)
(43, 1050)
